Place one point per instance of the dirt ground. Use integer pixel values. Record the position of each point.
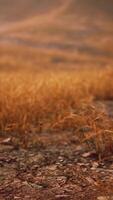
(56, 168)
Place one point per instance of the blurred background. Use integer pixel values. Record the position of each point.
(55, 34)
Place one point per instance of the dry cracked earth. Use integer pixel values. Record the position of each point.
(56, 168)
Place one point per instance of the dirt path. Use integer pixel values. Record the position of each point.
(57, 168)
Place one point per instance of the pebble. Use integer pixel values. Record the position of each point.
(62, 197)
(17, 198)
(105, 198)
(85, 155)
(95, 165)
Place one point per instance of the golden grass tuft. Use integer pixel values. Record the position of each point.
(32, 103)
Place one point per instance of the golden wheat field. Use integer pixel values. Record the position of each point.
(56, 100)
(49, 101)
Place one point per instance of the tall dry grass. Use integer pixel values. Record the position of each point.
(32, 103)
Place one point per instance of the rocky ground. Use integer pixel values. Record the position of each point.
(56, 168)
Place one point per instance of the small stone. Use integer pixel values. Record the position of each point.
(95, 164)
(105, 198)
(60, 158)
(6, 141)
(85, 155)
(16, 198)
(81, 164)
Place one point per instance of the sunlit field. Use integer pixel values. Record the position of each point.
(57, 101)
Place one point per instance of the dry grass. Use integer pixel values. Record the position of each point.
(49, 101)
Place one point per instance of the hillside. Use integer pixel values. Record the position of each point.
(16, 10)
(80, 29)
(11, 10)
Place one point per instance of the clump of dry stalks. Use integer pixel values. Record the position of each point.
(49, 101)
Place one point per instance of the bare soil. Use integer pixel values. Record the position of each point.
(55, 168)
